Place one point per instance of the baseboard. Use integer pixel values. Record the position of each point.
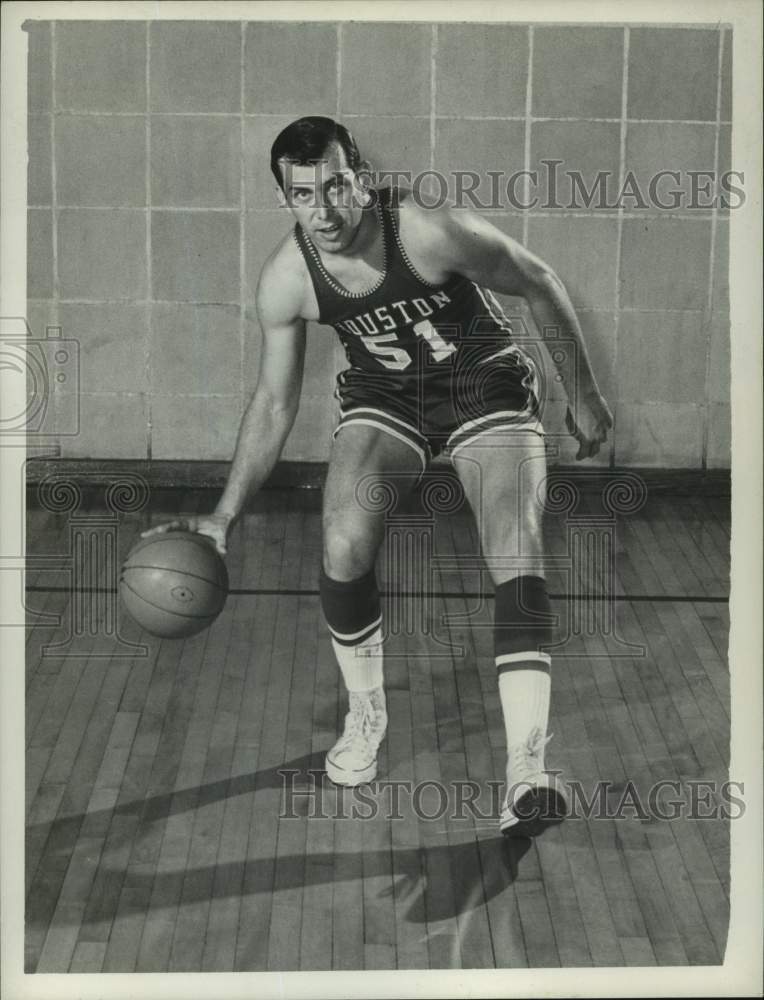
(169, 474)
(310, 475)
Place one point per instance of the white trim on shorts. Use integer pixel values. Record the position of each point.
(349, 417)
(383, 413)
(532, 424)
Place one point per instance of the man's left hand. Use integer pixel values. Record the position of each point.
(589, 423)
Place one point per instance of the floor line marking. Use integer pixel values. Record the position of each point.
(445, 594)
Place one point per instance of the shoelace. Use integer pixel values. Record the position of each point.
(525, 758)
(359, 722)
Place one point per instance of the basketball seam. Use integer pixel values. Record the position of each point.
(193, 537)
(170, 569)
(170, 611)
(203, 542)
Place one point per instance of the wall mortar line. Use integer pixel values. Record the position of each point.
(54, 312)
(242, 222)
(149, 276)
(528, 136)
(433, 92)
(619, 237)
(53, 169)
(338, 74)
(712, 255)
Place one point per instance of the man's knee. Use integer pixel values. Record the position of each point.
(349, 549)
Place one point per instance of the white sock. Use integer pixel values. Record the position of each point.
(361, 665)
(524, 695)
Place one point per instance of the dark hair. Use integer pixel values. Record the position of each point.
(306, 141)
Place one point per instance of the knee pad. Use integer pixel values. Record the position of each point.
(523, 624)
(352, 609)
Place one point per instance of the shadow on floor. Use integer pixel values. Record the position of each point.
(432, 882)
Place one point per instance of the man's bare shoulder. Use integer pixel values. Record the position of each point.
(456, 240)
(413, 209)
(281, 288)
(428, 225)
(429, 229)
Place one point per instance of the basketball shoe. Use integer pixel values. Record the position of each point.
(535, 799)
(353, 758)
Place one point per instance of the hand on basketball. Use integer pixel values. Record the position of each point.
(589, 423)
(215, 526)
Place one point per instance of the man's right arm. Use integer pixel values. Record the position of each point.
(271, 412)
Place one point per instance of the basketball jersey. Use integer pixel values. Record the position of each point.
(405, 325)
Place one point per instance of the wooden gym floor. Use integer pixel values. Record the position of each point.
(161, 835)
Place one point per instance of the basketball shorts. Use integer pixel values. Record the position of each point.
(443, 408)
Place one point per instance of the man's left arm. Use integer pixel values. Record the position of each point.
(467, 244)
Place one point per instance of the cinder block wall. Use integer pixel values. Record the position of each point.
(152, 208)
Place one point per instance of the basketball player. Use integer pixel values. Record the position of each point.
(432, 368)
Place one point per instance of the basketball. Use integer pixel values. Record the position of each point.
(174, 584)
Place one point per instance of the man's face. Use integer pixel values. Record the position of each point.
(325, 198)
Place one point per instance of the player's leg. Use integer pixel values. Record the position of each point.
(503, 474)
(365, 460)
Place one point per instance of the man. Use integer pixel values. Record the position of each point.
(431, 368)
